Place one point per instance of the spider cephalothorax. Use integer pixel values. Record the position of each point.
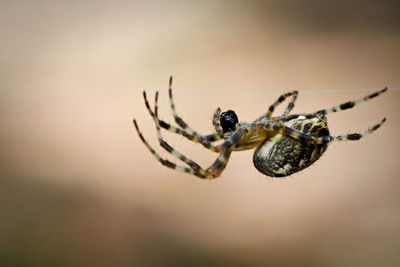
(284, 144)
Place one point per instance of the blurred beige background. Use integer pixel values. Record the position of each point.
(78, 188)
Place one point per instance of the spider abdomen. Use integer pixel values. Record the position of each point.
(281, 156)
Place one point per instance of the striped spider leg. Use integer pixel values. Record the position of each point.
(351, 104)
(185, 130)
(212, 172)
(189, 133)
(279, 101)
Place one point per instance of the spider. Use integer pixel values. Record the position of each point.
(283, 145)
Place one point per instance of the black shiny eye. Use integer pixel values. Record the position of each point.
(228, 121)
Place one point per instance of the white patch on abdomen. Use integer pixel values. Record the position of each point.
(267, 146)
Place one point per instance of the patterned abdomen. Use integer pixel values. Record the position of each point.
(281, 156)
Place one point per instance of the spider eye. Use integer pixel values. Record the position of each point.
(228, 121)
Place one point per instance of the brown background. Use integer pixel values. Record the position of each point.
(78, 188)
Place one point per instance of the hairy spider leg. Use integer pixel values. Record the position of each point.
(351, 104)
(193, 165)
(212, 172)
(166, 125)
(174, 129)
(220, 163)
(289, 107)
(156, 105)
(217, 167)
(166, 162)
(194, 169)
(198, 137)
(195, 138)
(210, 137)
(357, 136)
(213, 137)
(278, 102)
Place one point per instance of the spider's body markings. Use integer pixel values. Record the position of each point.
(282, 155)
(284, 144)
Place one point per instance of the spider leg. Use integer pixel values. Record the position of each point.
(357, 136)
(193, 165)
(210, 137)
(212, 172)
(279, 101)
(289, 107)
(287, 131)
(194, 169)
(196, 136)
(220, 163)
(213, 137)
(351, 104)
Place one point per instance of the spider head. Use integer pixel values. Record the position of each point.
(229, 121)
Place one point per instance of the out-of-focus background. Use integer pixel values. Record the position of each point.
(78, 188)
